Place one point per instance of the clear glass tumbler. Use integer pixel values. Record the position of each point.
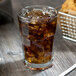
(37, 25)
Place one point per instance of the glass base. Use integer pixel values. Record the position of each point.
(32, 66)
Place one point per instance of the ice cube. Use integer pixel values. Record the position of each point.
(35, 12)
(43, 25)
(34, 20)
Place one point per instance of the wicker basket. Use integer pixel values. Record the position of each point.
(68, 25)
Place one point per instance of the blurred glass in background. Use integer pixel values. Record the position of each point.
(5, 12)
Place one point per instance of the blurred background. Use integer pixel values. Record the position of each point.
(11, 64)
(5, 12)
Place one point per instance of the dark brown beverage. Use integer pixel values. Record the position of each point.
(38, 34)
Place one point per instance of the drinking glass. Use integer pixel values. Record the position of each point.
(37, 25)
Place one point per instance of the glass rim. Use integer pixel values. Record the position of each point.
(33, 6)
